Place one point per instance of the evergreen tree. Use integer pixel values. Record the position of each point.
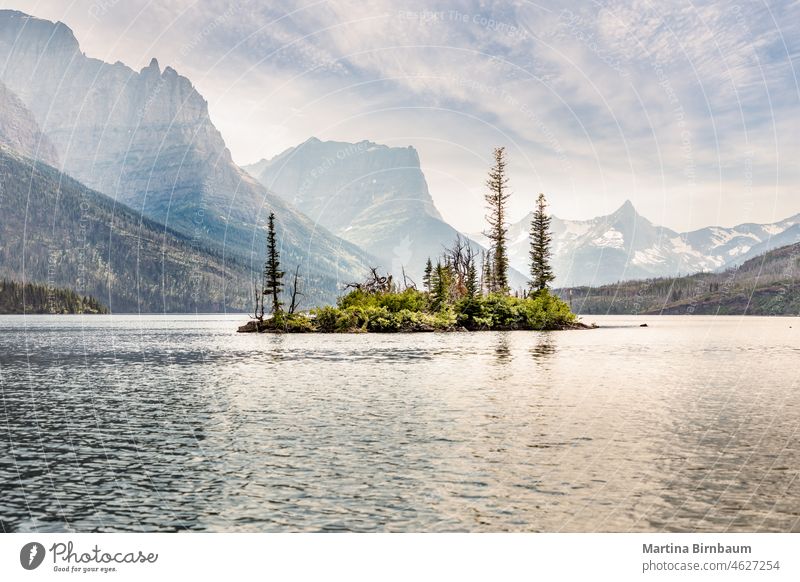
(541, 239)
(441, 286)
(472, 278)
(486, 273)
(273, 276)
(40, 298)
(496, 199)
(426, 278)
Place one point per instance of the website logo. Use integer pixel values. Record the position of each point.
(31, 555)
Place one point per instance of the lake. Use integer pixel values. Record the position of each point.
(165, 423)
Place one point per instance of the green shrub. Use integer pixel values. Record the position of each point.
(325, 318)
(502, 310)
(409, 300)
(352, 319)
(357, 298)
(297, 323)
(382, 320)
(416, 321)
(410, 311)
(445, 319)
(471, 313)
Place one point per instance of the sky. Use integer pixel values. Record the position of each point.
(691, 110)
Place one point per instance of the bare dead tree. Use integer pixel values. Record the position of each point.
(459, 259)
(374, 284)
(258, 309)
(295, 291)
(406, 279)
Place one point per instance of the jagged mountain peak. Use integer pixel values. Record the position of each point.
(626, 245)
(107, 120)
(371, 194)
(152, 68)
(627, 213)
(359, 175)
(146, 139)
(345, 148)
(55, 37)
(627, 209)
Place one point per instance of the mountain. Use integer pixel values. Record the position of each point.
(56, 231)
(372, 195)
(625, 245)
(145, 139)
(20, 132)
(733, 246)
(768, 284)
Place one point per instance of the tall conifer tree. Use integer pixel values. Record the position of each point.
(496, 199)
(541, 239)
(273, 276)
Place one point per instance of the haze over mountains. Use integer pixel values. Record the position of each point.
(372, 195)
(57, 231)
(20, 132)
(625, 245)
(146, 139)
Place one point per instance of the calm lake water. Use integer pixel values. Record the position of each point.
(149, 423)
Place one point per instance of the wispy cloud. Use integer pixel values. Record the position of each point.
(688, 108)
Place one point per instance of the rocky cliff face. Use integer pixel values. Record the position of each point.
(116, 130)
(20, 132)
(337, 183)
(370, 194)
(145, 138)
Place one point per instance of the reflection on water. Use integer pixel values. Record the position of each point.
(501, 349)
(174, 423)
(544, 348)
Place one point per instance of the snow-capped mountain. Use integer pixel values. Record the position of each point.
(625, 245)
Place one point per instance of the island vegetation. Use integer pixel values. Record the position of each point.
(465, 289)
(37, 298)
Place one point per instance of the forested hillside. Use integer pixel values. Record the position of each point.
(52, 228)
(39, 298)
(765, 285)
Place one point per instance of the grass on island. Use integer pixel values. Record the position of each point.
(412, 310)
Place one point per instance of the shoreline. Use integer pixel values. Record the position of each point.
(254, 326)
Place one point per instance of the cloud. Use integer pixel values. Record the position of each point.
(687, 108)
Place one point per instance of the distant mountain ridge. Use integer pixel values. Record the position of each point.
(55, 230)
(372, 195)
(145, 139)
(768, 284)
(624, 245)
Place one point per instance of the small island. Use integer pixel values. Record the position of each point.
(467, 289)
